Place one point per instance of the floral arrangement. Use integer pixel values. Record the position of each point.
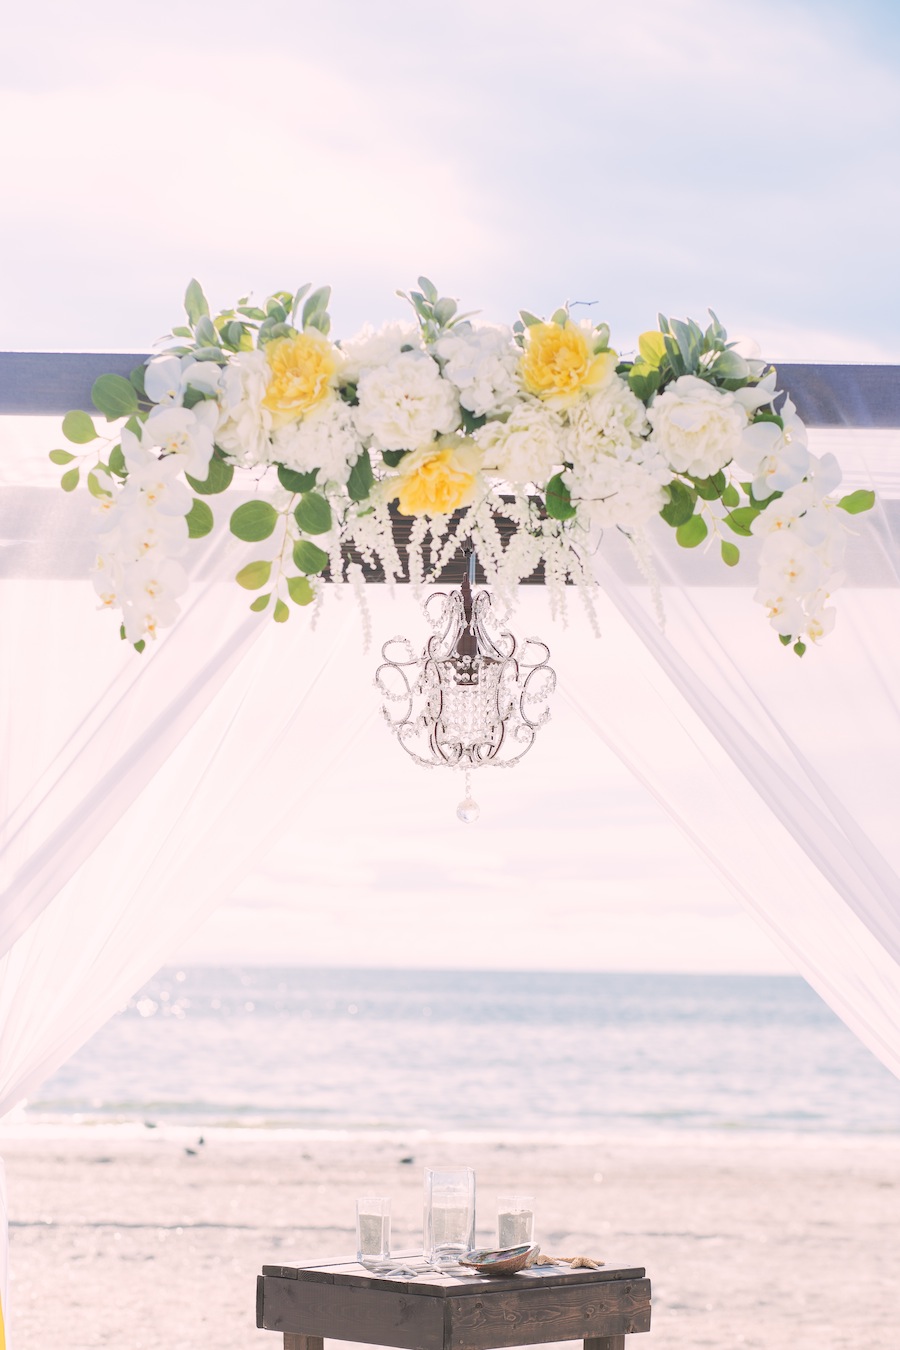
(460, 424)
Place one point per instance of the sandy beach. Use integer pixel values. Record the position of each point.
(153, 1241)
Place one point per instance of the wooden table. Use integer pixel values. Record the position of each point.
(453, 1312)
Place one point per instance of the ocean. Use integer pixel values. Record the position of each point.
(478, 1054)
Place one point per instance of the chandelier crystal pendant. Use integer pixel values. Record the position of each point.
(474, 697)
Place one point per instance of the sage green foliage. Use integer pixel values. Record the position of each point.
(114, 396)
(254, 575)
(69, 481)
(731, 554)
(61, 456)
(260, 602)
(558, 500)
(361, 479)
(78, 427)
(692, 532)
(300, 590)
(436, 314)
(253, 521)
(309, 558)
(313, 513)
(217, 480)
(199, 519)
(282, 613)
(293, 481)
(855, 502)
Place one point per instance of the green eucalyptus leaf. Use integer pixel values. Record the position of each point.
(558, 499)
(309, 558)
(799, 647)
(253, 521)
(855, 502)
(78, 427)
(217, 479)
(741, 519)
(96, 488)
(731, 554)
(61, 456)
(680, 507)
(261, 601)
(293, 481)
(313, 513)
(69, 481)
(282, 613)
(199, 519)
(117, 463)
(195, 302)
(114, 396)
(300, 591)
(692, 532)
(731, 496)
(393, 457)
(254, 575)
(361, 479)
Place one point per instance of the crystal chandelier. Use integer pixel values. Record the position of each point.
(474, 697)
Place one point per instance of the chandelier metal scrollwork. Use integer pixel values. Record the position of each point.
(474, 697)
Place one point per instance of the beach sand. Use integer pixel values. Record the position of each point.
(759, 1242)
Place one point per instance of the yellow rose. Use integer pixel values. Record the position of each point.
(439, 478)
(559, 364)
(302, 370)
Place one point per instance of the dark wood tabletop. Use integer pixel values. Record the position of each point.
(343, 1301)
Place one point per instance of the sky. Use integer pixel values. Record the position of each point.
(675, 156)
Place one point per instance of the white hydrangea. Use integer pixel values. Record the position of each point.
(696, 426)
(406, 403)
(372, 347)
(483, 363)
(325, 439)
(610, 491)
(525, 449)
(245, 426)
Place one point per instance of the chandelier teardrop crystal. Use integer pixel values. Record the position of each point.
(475, 696)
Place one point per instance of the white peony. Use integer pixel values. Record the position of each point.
(372, 347)
(244, 424)
(326, 439)
(697, 427)
(483, 363)
(405, 404)
(611, 421)
(525, 449)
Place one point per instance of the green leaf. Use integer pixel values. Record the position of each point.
(529, 319)
(444, 311)
(799, 647)
(254, 575)
(731, 554)
(680, 508)
(785, 639)
(261, 601)
(95, 488)
(309, 558)
(61, 456)
(652, 347)
(182, 331)
(741, 520)
(205, 332)
(643, 381)
(282, 613)
(316, 302)
(69, 481)
(139, 646)
(710, 489)
(195, 303)
(861, 500)
(296, 482)
(313, 513)
(114, 396)
(79, 428)
(300, 591)
(199, 519)
(558, 500)
(731, 496)
(136, 378)
(217, 480)
(117, 463)
(692, 532)
(359, 484)
(393, 457)
(253, 521)
(428, 288)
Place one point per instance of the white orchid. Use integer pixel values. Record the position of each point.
(185, 434)
(776, 457)
(157, 479)
(167, 378)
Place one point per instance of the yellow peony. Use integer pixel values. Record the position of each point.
(439, 478)
(559, 364)
(303, 368)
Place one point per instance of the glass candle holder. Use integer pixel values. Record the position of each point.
(515, 1220)
(449, 1213)
(373, 1229)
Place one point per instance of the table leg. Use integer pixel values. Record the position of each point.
(294, 1342)
(601, 1343)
